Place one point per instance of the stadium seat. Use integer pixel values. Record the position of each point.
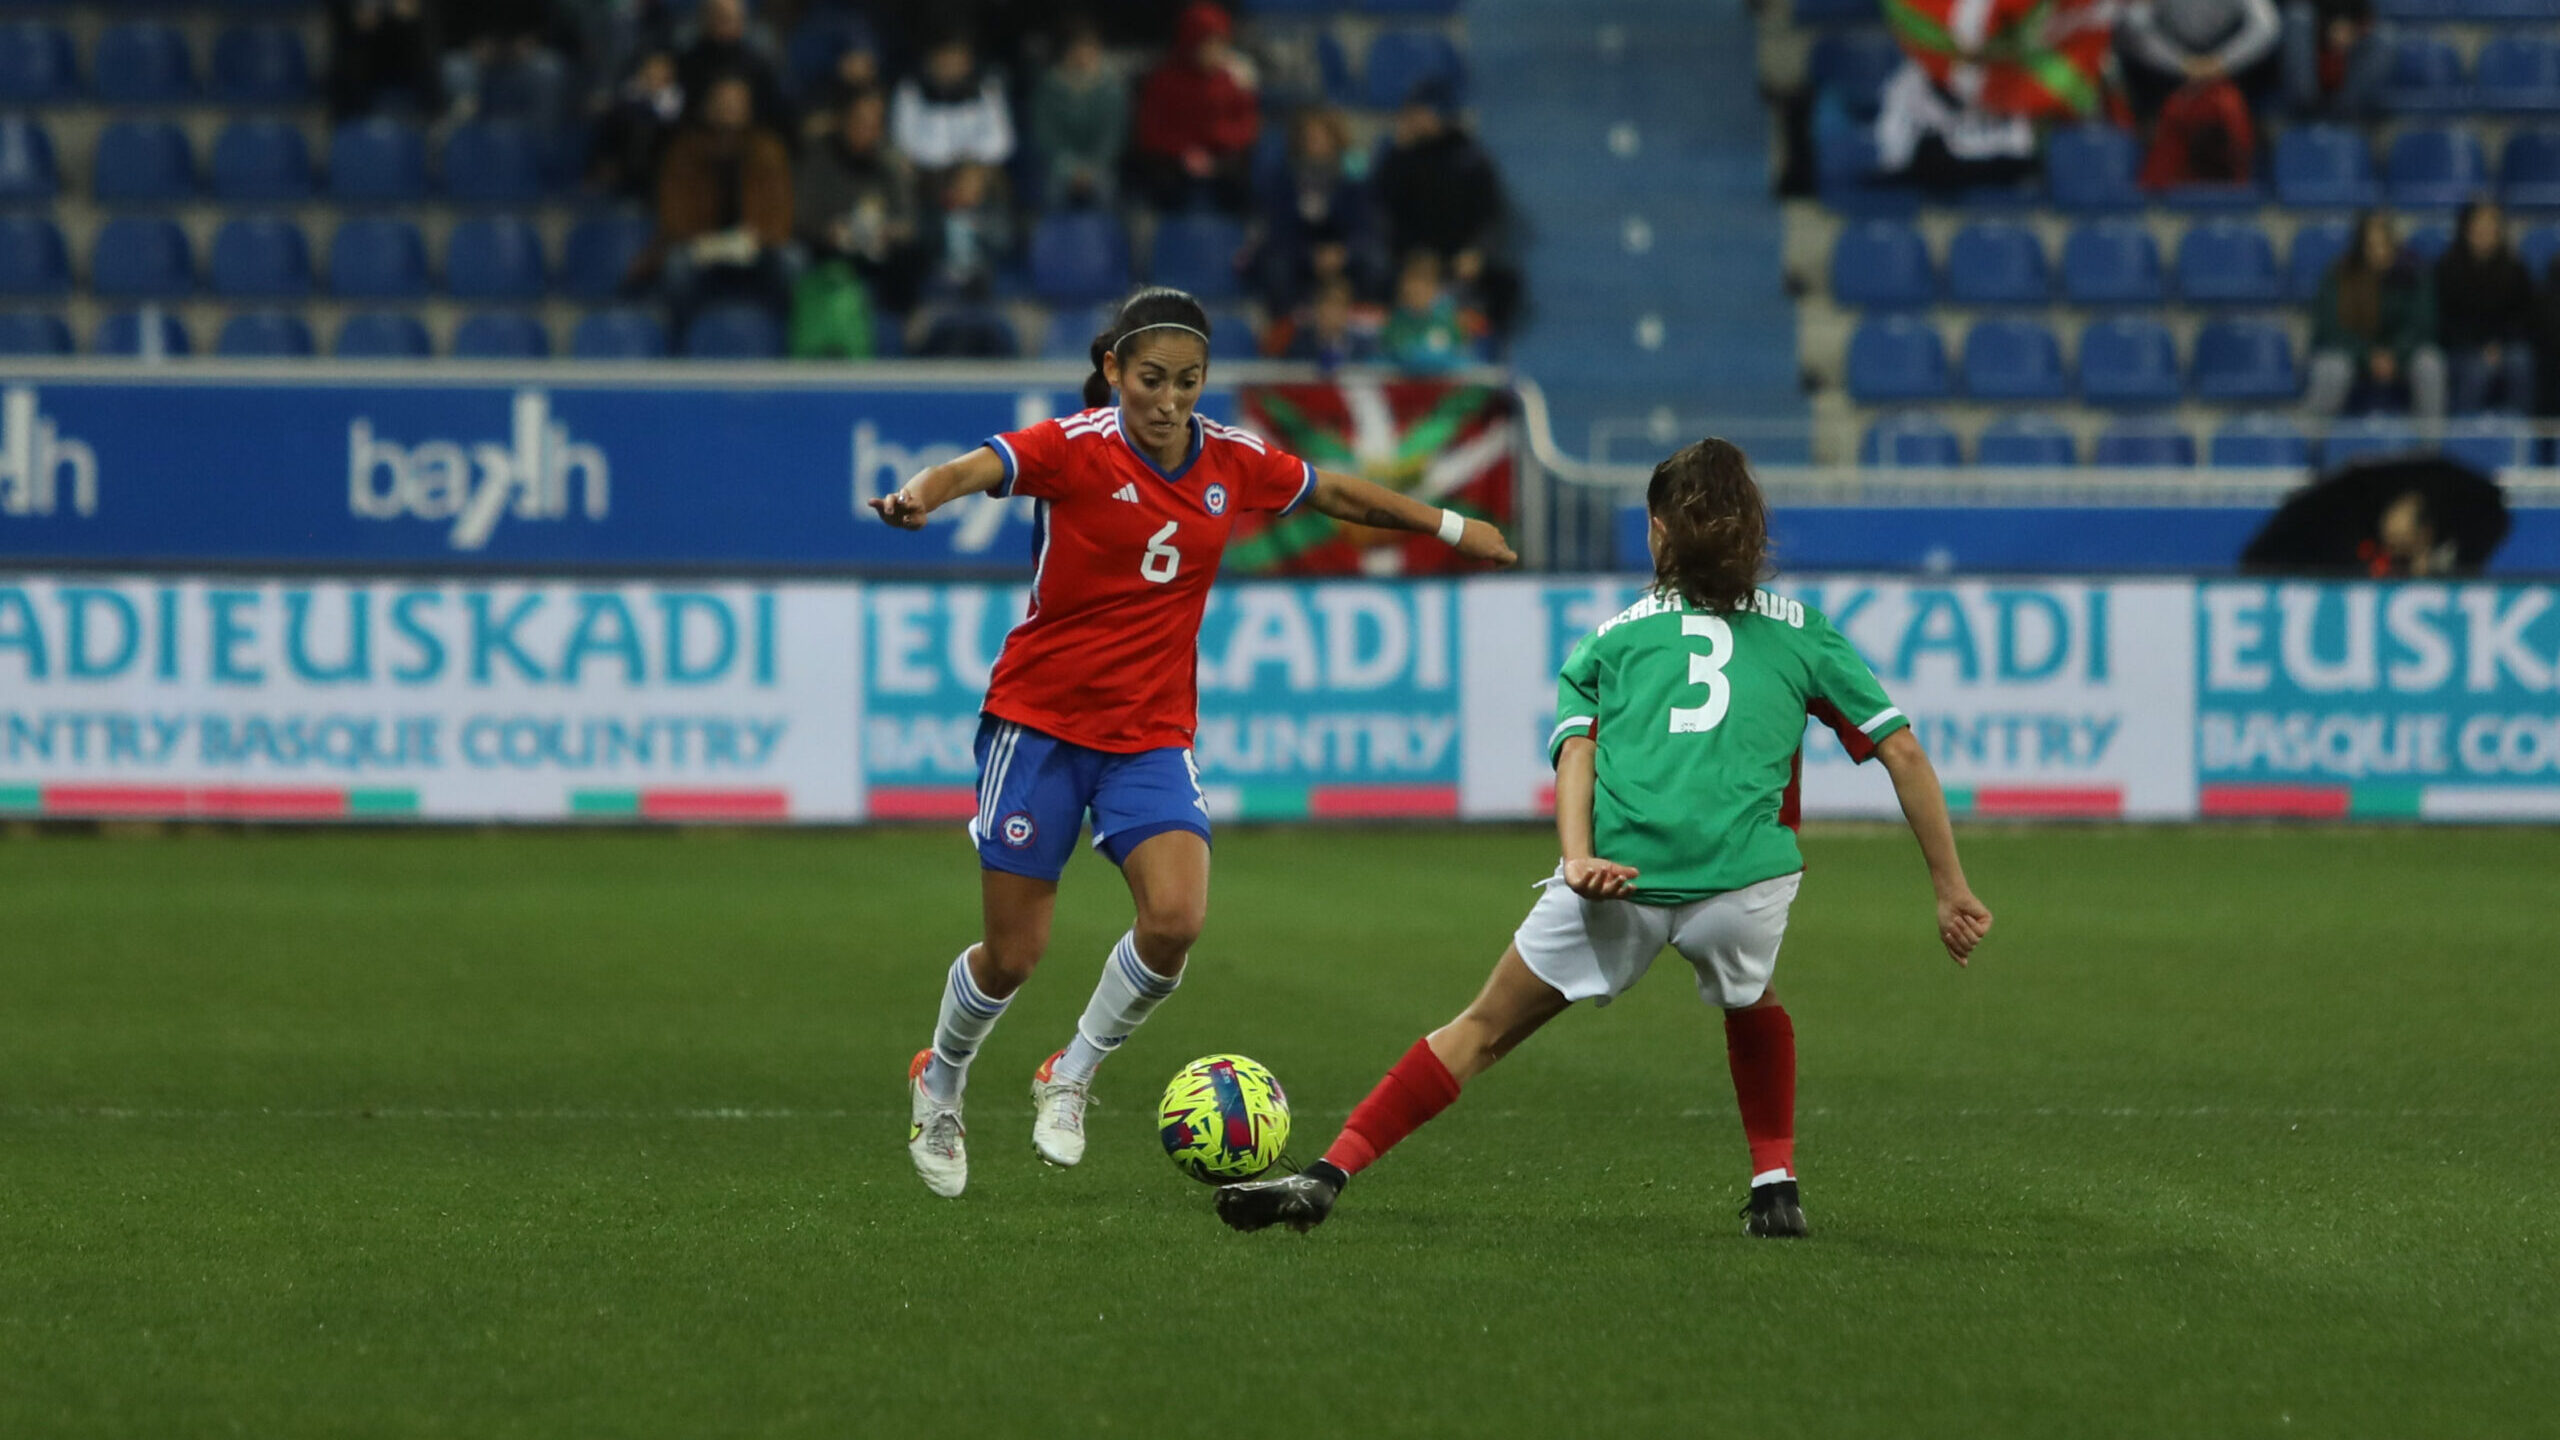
(2112, 262)
(2327, 167)
(1399, 60)
(125, 333)
(599, 254)
(733, 332)
(2536, 250)
(2244, 360)
(2315, 253)
(2150, 444)
(2128, 362)
(1895, 357)
(383, 335)
(1079, 256)
(492, 162)
(2519, 73)
(494, 257)
(34, 332)
(262, 160)
(1333, 69)
(1853, 66)
(2228, 262)
(1997, 262)
(28, 174)
(265, 335)
(2427, 243)
(1844, 164)
(33, 259)
(501, 335)
(2426, 78)
(143, 162)
(2367, 436)
(2529, 170)
(1198, 253)
(37, 65)
(2028, 441)
(2487, 445)
(2260, 442)
(1882, 265)
(2013, 360)
(2436, 169)
(382, 160)
(2091, 168)
(972, 332)
(618, 335)
(142, 259)
(1911, 440)
(375, 258)
(260, 65)
(260, 256)
(144, 63)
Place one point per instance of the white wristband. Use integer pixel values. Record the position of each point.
(1453, 527)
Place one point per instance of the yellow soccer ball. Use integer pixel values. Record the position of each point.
(1224, 1119)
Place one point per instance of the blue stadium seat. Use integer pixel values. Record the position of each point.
(33, 259)
(2429, 242)
(36, 63)
(2486, 445)
(2529, 171)
(33, 332)
(2315, 253)
(492, 162)
(1079, 256)
(2028, 441)
(1882, 265)
(1894, 358)
(1198, 253)
(2112, 262)
(622, 334)
(2426, 78)
(375, 258)
(2128, 362)
(28, 174)
(124, 333)
(2091, 168)
(2013, 360)
(2536, 250)
(1997, 262)
(2245, 360)
(2367, 436)
(1399, 60)
(261, 65)
(2228, 262)
(971, 332)
(1844, 163)
(733, 332)
(599, 253)
(377, 159)
(501, 335)
(2146, 443)
(1232, 335)
(2260, 442)
(2327, 167)
(2436, 169)
(2520, 73)
(144, 63)
(265, 335)
(261, 256)
(262, 160)
(1333, 68)
(1911, 440)
(142, 259)
(143, 162)
(383, 335)
(1853, 66)
(494, 257)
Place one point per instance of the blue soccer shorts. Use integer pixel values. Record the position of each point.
(1034, 791)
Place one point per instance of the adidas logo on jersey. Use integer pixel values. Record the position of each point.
(1128, 492)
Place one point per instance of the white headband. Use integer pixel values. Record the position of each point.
(1160, 325)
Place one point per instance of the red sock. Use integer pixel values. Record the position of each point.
(1418, 1088)
(1760, 1046)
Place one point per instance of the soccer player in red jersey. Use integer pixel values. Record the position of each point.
(1093, 701)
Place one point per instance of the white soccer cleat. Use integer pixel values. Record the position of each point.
(1057, 1118)
(936, 1140)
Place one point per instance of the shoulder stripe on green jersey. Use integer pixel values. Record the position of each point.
(1891, 712)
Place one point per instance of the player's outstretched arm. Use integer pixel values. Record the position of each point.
(1348, 497)
(1591, 877)
(932, 488)
(1962, 919)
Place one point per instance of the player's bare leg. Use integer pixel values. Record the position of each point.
(1168, 877)
(1017, 910)
(1512, 1006)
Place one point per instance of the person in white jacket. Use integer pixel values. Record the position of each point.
(954, 114)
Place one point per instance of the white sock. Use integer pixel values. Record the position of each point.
(1772, 1177)
(967, 1015)
(1122, 1000)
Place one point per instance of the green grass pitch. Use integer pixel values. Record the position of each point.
(2227, 1133)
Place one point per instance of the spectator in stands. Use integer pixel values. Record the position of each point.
(1330, 329)
(2484, 314)
(1197, 119)
(631, 135)
(856, 201)
(2336, 59)
(2373, 328)
(502, 60)
(724, 208)
(854, 71)
(1428, 332)
(953, 114)
(2170, 44)
(381, 59)
(1080, 122)
(972, 229)
(1319, 222)
(1441, 193)
(724, 43)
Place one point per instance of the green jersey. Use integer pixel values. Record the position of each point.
(1698, 717)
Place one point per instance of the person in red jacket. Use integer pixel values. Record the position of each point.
(1197, 119)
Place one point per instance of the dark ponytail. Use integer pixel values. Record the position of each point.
(1715, 545)
(1157, 306)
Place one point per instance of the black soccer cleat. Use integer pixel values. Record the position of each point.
(1300, 1201)
(1773, 1213)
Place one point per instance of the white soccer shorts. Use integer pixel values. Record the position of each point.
(1595, 949)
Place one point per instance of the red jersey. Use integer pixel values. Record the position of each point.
(1123, 554)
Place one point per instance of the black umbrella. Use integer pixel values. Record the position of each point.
(2336, 524)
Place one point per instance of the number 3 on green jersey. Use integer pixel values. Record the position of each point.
(1706, 668)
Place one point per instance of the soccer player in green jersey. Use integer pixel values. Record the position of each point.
(1677, 726)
